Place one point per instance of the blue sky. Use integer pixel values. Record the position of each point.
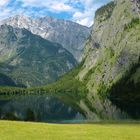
(80, 11)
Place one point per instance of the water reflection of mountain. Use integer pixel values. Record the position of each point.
(37, 108)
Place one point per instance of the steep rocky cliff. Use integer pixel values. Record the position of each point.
(112, 57)
(70, 35)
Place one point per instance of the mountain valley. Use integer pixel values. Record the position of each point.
(105, 85)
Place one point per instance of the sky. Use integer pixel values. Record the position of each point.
(80, 11)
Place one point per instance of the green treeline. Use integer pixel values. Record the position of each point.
(67, 87)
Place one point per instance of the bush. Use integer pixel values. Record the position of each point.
(134, 22)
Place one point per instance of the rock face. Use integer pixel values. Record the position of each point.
(70, 35)
(112, 62)
(31, 60)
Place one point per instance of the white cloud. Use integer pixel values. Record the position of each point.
(52, 5)
(90, 6)
(3, 2)
(85, 21)
(4, 13)
(61, 7)
(81, 11)
(84, 18)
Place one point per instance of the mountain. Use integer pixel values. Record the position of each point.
(112, 60)
(70, 35)
(106, 85)
(31, 60)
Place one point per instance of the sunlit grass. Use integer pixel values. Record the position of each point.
(41, 131)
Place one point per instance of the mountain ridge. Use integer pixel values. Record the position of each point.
(31, 60)
(106, 84)
(67, 33)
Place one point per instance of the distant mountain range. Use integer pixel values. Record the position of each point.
(106, 84)
(70, 35)
(38, 51)
(30, 60)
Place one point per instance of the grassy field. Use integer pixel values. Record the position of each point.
(40, 131)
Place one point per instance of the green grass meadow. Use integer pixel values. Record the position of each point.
(12, 130)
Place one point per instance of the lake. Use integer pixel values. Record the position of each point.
(38, 108)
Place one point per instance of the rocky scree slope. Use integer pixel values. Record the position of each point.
(111, 69)
(70, 35)
(31, 60)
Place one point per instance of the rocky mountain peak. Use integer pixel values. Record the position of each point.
(70, 35)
